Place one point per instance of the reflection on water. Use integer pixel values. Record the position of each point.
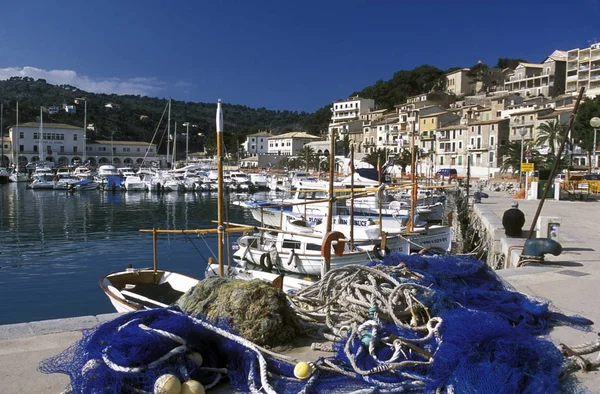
(55, 246)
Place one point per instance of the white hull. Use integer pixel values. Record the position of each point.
(14, 177)
(126, 290)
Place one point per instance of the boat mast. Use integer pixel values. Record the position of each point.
(411, 225)
(331, 196)
(173, 166)
(169, 132)
(352, 198)
(220, 191)
(41, 134)
(15, 157)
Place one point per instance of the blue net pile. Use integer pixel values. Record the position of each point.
(406, 324)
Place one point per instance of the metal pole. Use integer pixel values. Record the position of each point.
(521, 161)
(2, 134)
(220, 213)
(169, 132)
(594, 162)
(84, 129)
(468, 176)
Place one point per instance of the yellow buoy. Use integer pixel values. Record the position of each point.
(303, 370)
(167, 384)
(196, 357)
(192, 387)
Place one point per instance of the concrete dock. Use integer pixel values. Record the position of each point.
(569, 281)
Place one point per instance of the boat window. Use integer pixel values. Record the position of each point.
(319, 195)
(301, 196)
(291, 244)
(313, 247)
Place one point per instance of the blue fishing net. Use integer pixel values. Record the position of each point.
(466, 332)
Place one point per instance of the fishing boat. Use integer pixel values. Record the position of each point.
(134, 289)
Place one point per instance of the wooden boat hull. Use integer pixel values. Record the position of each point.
(135, 289)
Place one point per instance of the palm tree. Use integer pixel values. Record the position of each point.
(550, 134)
(511, 157)
(306, 156)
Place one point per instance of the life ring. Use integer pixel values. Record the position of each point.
(338, 249)
(377, 251)
(265, 262)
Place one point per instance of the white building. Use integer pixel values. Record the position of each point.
(257, 143)
(63, 144)
(289, 144)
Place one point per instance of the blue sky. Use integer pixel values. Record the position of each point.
(295, 55)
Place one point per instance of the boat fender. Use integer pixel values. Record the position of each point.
(338, 249)
(292, 258)
(266, 262)
(432, 251)
(380, 195)
(377, 251)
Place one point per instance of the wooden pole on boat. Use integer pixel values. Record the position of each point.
(410, 225)
(331, 175)
(379, 198)
(220, 191)
(352, 198)
(155, 263)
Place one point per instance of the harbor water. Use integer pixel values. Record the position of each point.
(55, 246)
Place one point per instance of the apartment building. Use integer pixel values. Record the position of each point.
(458, 83)
(484, 139)
(543, 79)
(583, 70)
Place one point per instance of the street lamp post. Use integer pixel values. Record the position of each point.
(522, 131)
(77, 100)
(595, 123)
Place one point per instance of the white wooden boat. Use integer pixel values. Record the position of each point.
(135, 289)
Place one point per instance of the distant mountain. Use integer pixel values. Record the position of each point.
(136, 118)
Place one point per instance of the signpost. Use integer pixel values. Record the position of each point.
(527, 167)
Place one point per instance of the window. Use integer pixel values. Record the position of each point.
(74, 137)
(22, 135)
(459, 144)
(35, 148)
(492, 141)
(313, 247)
(460, 161)
(35, 136)
(62, 149)
(21, 148)
(74, 149)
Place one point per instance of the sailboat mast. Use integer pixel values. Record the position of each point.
(169, 132)
(18, 135)
(220, 191)
(41, 133)
(173, 158)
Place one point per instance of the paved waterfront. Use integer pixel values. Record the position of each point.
(570, 281)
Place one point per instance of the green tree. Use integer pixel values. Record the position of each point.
(306, 155)
(550, 134)
(403, 159)
(375, 156)
(582, 131)
(511, 157)
(509, 63)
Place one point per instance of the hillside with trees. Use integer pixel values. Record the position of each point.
(136, 118)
